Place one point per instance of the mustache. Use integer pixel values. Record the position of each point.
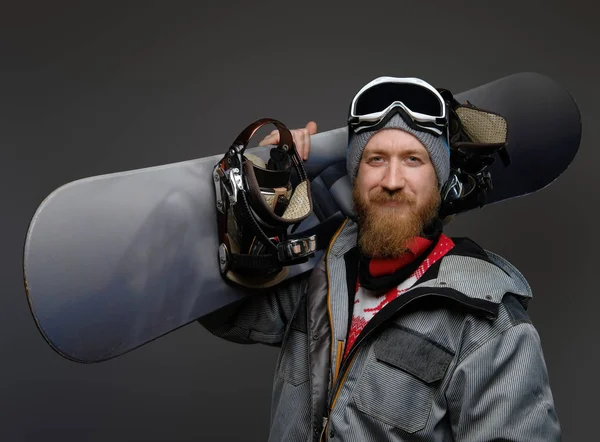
(385, 197)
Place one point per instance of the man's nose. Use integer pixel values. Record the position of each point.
(394, 178)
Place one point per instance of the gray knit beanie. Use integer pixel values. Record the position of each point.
(437, 148)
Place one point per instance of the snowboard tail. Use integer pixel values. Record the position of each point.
(112, 262)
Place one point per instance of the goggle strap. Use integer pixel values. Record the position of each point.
(405, 117)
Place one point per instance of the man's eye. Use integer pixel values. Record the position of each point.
(375, 159)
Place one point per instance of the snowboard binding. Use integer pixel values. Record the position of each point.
(257, 203)
(476, 137)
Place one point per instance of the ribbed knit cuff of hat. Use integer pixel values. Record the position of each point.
(437, 148)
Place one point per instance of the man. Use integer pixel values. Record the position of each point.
(400, 333)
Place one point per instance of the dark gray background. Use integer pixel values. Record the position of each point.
(93, 89)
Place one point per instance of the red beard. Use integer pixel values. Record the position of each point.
(384, 231)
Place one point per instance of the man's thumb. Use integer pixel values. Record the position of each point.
(312, 127)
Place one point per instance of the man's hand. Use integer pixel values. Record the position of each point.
(301, 139)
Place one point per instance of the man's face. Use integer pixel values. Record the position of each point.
(395, 193)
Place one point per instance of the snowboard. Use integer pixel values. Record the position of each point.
(114, 261)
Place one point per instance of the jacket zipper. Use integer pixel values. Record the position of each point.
(324, 422)
(335, 396)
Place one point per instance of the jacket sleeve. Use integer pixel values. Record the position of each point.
(261, 317)
(501, 391)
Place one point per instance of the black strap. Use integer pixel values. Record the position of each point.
(261, 262)
(254, 262)
(246, 218)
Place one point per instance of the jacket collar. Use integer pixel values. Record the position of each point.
(469, 269)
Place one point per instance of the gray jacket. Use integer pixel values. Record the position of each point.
(455, 358)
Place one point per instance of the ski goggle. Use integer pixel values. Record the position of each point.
(421, 105)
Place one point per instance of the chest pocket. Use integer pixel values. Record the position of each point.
(398, 382)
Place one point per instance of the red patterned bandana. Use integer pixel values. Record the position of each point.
(367, 303)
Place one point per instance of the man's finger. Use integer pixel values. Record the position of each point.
(297, 135)
(295, 138)
(272, 138)
(304, 145)
(309, 129)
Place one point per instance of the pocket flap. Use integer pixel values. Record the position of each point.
(413, 353)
